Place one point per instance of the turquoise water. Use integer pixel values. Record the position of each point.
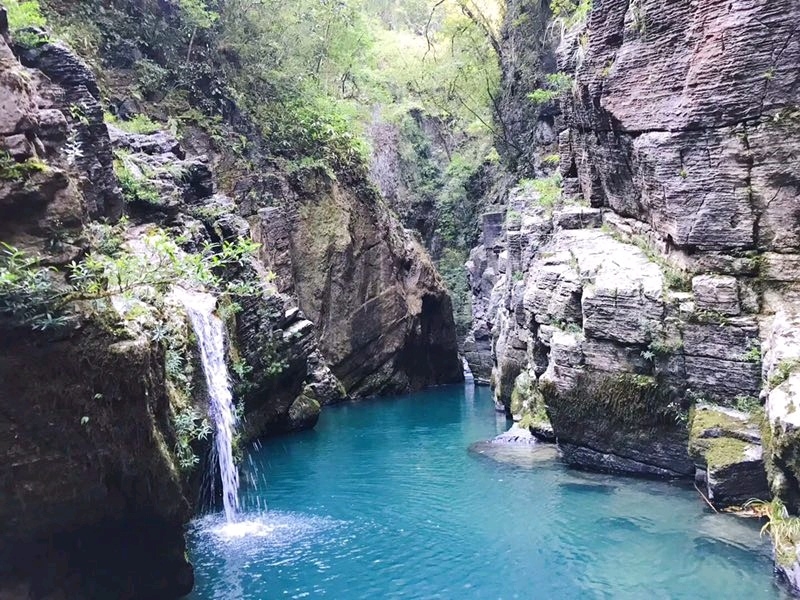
(383, 500)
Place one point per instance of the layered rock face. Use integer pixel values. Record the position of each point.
(661, 273)
(384, 318)
(96, 489)
(85, 454)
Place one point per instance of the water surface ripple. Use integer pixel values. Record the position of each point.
(383, 500)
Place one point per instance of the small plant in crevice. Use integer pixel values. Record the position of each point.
(695, 397)
(551, 160)
(13, 171)
(190, 426)
(570, 13)
(753, 353)
(748, 404)
(556, 84)
(783, 371)
(567, 326)
(783, 528)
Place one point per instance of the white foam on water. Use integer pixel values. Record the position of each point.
(260, 530)
(241, 529)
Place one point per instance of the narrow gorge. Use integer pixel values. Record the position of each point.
(224, 221)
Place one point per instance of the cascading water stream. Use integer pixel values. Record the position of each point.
(210, 333)
(468, 376)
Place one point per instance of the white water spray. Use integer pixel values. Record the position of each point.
(211, 340)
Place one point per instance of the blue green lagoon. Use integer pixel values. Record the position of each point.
(385, 499)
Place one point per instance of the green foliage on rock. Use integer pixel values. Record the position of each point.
(571, 12)
(137, 124)
(782, 371)
(547, 190)
(135, 186)
(41, 297)
(27, 290)
(24, 13)
(626, 400)
(13, 171)
(783, 528)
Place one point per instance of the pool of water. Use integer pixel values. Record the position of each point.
(384, 500)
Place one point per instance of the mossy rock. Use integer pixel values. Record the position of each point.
(635, 402)
(528, 407)
(304, 411)
(720, 437)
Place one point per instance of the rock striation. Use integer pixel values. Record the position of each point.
(647, 308)
(383, 316)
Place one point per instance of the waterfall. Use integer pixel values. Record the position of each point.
(211, 340)
(468, 377)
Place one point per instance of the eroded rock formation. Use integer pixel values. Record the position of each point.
(662, 274)
(96, 473)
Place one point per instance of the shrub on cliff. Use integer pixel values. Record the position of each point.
(39, 296)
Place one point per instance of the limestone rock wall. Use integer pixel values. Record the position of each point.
(663, 273)
(383, 315)
(94, 494)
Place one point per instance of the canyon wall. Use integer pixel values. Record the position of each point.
(103, 402)
(636, 301)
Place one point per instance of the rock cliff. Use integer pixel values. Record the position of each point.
(638, 296)
(103, 410)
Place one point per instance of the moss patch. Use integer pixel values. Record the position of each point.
(11, 170)
(635, 402)
(725, 451)
(728, 444)
(527, 403)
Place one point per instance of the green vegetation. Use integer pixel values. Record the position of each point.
(39, 297)
(190, 426)
(177, 339)
(135, 187)
(568, 327)
(547, 190)
(451, 267)
(660, 345)
(138, 124)
(527, 402)
(720, 449)
(782, 371)
(299, 85)
(569, 13)
(22, 14)
(626, 400)
(753, 353)
(556, 85)
(725, 451)
(781, 527)
(748, 404)
(13, 171)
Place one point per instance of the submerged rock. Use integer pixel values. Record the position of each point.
(516, 435)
